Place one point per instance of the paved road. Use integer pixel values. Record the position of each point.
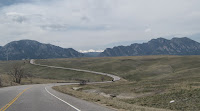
(43, 98)
(115, 78)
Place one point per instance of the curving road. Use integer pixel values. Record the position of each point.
(115, 78)
(42, 97)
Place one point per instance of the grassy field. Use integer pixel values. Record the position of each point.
(105, 101)
(42, 75)
(151, 81)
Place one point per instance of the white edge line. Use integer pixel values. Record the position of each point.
(62, 100)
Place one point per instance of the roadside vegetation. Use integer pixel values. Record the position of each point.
(168, 82)
(99, 99)
(22, 72)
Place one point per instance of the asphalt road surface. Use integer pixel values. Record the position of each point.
(42, 97)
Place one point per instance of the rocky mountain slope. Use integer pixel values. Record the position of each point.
(29, 49)
(160, 46)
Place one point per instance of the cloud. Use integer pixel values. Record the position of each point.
(94, 23)
(147, 30)
(16, 17)
(14, 14)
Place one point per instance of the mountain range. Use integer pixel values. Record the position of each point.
(30, 49)
(160, 46)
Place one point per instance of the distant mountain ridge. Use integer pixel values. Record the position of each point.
(160, 46)
(30, 49)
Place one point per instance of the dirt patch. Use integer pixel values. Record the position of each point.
(132, 95)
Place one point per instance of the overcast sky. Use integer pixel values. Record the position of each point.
(91, 24)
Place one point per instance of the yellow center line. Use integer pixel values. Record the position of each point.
(12, 101)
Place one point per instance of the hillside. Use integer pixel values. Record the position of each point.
(41, 75)
(160, 46)
(29, 49)
(151, 81)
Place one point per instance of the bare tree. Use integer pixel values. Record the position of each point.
(17, 73)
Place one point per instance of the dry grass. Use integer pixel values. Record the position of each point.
(8, 81)
(41, 75)
(40, 81)
(138, 68)
(148, 78)
(110, 102)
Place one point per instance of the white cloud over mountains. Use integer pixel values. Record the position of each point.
(83, 24)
